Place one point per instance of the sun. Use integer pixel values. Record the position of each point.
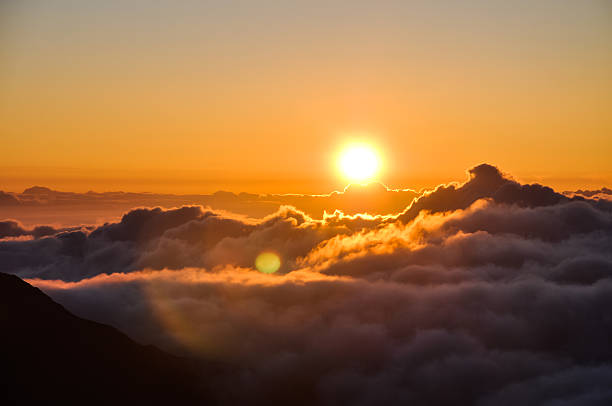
(359, 163)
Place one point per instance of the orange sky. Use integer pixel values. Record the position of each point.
(261, 96)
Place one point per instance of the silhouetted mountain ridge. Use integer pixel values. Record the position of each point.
(53, 356)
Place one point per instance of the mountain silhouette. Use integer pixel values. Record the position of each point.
(51, 355)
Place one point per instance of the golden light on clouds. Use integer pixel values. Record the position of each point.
(359, 162)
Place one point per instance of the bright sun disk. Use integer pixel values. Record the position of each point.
(359, 163)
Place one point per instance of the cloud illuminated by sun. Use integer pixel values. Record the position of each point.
(359, 162)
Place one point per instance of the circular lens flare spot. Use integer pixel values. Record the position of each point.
(267, 262)
(359, 163)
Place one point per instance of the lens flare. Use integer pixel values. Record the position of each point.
(267, 262)
(359, 163)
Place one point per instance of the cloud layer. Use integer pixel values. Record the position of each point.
(488, 292)
(43, 205)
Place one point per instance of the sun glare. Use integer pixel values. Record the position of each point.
(267, 262)
(359, 163)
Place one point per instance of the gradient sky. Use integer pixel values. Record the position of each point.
(260, 96)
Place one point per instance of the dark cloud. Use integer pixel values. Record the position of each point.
(350, 341)
(12, 228)
(603, 193)
(43, 205)
(178, 238)
(485, 181)
(489, 292)
(8, 199)
(192, 236)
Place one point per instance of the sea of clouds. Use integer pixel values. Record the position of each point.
(488, 292)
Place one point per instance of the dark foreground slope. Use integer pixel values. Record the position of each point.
(49, 354)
